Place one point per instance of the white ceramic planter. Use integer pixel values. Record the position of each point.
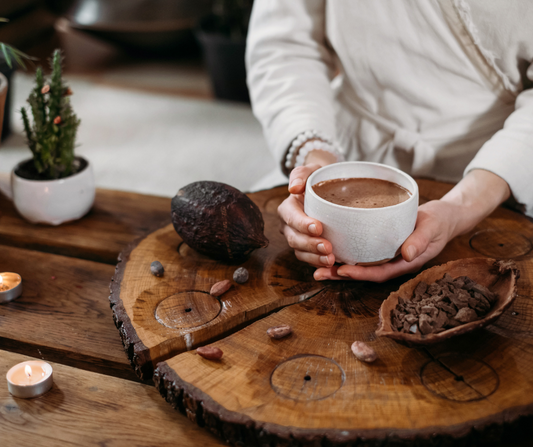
(54, 202)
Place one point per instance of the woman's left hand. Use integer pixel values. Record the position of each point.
(435, 226)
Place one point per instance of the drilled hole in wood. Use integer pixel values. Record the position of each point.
(518, 319)
(187, 309)
(323, 377)
(500, 244)
(459, 378)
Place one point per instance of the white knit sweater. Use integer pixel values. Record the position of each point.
(434, 87)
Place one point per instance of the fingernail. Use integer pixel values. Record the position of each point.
(296, 182)
(312, 229)
(411, 253)
(324, 260)
(321, 248)
(342, 274)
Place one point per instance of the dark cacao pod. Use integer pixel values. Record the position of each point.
(218, 220)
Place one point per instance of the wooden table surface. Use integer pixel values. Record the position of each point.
(63, 317)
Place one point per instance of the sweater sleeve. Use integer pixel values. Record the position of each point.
(289, 71)
(509, 153)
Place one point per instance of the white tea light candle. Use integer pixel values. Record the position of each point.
(29, 379)
(10, 286)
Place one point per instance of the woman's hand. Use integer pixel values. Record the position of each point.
(435, 226)
(468, 203)
(301, 231)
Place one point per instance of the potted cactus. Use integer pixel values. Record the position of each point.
(54, 186)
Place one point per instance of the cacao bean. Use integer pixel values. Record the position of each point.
(220, 287)
(278, 332)
(209, 352)
(157, 269)
(240, 275)
(363, 352)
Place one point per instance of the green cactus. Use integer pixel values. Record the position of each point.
(52, 136)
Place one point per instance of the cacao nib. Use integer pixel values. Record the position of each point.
(445, 304)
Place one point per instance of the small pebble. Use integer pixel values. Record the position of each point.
(209, 352)
(363, 352)
(278, 332)
(240, 275)
(157, 269)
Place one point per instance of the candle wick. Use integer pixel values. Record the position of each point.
(28, 372)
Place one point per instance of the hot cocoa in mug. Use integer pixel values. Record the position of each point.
(361, 192)
(367, 209)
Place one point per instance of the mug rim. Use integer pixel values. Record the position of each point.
(309, 186)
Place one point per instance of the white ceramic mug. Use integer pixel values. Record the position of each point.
(363, 235)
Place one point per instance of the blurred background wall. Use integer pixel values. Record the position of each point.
(183, 60)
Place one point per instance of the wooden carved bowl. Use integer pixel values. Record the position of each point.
(499, 277)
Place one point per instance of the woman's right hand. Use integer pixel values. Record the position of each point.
(301, 231)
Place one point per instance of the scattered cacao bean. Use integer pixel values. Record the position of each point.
(240, 275)
(363, 352)
(157, 269)
(278, 332)
(220, 287)
(209, 352)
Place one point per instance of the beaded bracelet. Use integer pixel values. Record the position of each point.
(297, 147)
(315, 145)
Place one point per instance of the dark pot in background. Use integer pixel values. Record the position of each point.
(28, 22)
(158, 27)
(224, 60)
(6, 127)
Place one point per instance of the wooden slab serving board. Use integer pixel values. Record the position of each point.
(308, 388)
